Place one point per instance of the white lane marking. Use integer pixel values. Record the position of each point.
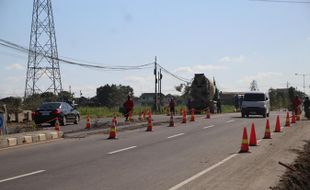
(202, 173)
(120, 150)
(175, 135)
(207, 127)
(229, 121)
(20, 176)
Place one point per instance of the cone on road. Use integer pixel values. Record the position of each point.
(267, 130)
(192, 115)
(171, 122)
(88, 125)
(253, 141)
(208, 114)
(245, 142)
(140, 116)
(149, 123)
(293, 118)
(278, 125)
(112, 134)
(287, 120)
(183, 116)
(57, 126)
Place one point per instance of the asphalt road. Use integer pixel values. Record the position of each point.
(136, 160)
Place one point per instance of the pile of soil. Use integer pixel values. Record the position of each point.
(298, 177)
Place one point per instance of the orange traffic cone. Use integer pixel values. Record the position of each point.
(171, 122)
(149, 123)
(278, 125)
(293, 118)
(184, 116)
(88, 122)
(245, 143)
(193, 115)
(208, 114)
(57, 126)
(112, 134)
(253, 141)
(140, 116)
(287, 121)
(267, 130)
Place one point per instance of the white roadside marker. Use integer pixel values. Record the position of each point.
(207, 127)
(120, 150)
(175, 135)
(20, 176)
(201, 173)
(229, 121)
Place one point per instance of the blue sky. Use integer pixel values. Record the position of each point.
(235, 41)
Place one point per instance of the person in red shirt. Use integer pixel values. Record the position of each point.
(128, 105)
(297, 105)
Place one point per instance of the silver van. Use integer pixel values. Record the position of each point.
(255, 103)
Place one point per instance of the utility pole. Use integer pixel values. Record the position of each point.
(155, 73)
(160, 77)
(43, 73)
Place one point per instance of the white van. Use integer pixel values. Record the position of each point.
(255, 103)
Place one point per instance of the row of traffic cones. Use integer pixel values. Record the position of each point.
(267, 135)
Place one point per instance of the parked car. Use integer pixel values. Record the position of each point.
(255, 103)
(49, 111)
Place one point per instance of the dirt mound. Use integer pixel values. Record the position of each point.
(298, 174)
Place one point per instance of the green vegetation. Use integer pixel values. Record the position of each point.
(227, 108)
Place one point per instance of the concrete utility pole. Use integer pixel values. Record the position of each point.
(155, 73)
(304, 80)
(160, 76)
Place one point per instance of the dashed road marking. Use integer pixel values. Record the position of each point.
(210, 126)
(201, 173)
(124, 149)
(230, 121)
(175, 135)
(21, 176)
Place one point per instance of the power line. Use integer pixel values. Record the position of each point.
(283, 1)
(74, 61)
(174, 75)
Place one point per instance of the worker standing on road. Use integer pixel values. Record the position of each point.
(172, 106)
(296, 105)
(128, 105)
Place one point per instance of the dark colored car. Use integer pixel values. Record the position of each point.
(49, 111)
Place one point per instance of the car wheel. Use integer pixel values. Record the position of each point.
(247, 115)
(242, 115)
(76, 120)
(64, 121)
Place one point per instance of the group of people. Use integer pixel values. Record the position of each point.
(297, 103)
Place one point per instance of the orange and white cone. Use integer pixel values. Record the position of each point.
(112, 134)
(293, 118)
(253, 141)
(149, 123)
(208, 114)
(171, 122)
(57, 126)
(287, 120)
(88, 125)
(245, 143)
(193, 115)
(278, 125)
(267, 130)
(183, 116)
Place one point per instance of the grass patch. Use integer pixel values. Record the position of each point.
(228, 108)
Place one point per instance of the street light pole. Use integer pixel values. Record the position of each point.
(304, 80)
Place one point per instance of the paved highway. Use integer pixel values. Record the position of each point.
(162, 159)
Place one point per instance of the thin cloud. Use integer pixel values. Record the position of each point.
(199, 68)
(308, 38)
(265, 80)
(15, 66)
(230, 59)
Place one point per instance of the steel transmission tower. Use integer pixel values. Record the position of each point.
(43, 73)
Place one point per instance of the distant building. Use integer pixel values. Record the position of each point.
(147, 99)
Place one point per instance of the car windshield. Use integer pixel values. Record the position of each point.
(254, 97)
(49, 106)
